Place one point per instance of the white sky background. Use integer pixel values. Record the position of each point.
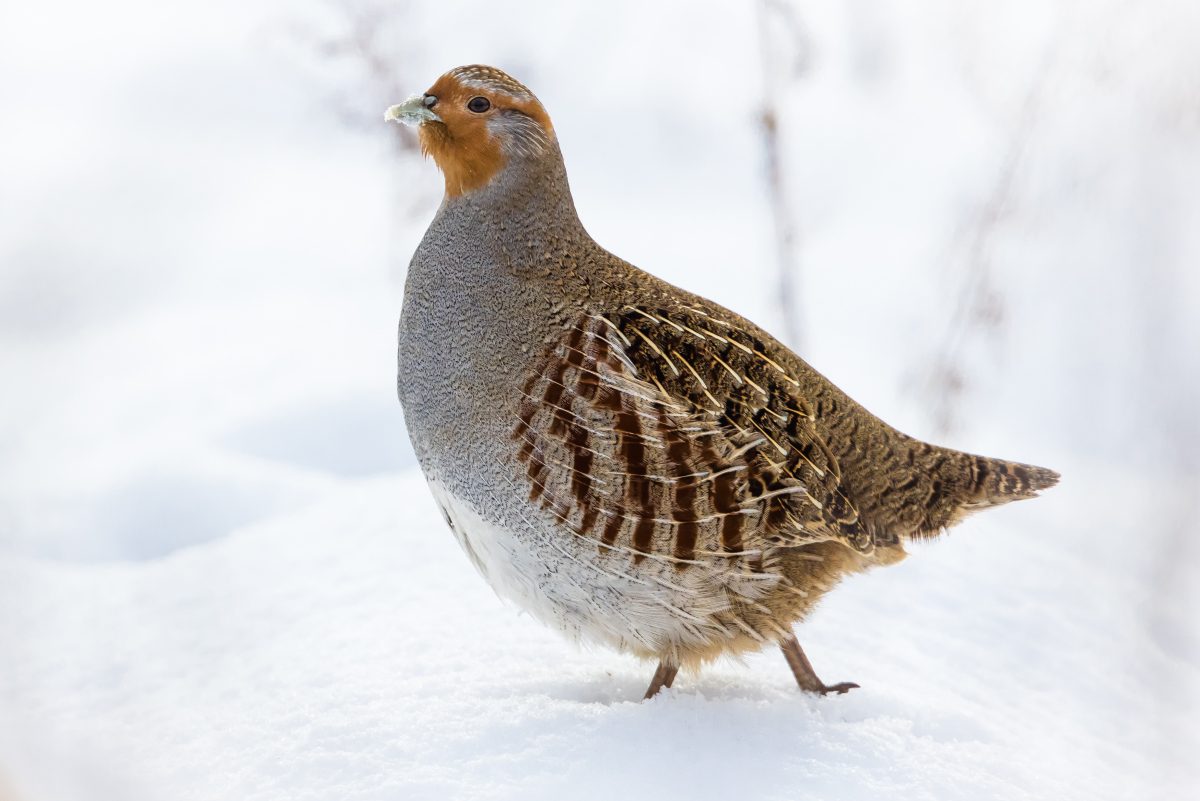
(204, 225)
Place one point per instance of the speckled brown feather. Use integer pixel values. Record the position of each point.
(824, 468)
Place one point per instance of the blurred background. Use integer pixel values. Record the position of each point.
(981, 219)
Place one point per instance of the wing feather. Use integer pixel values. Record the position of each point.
(648, 433)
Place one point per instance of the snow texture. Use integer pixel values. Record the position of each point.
(222, 577)
(349, 650)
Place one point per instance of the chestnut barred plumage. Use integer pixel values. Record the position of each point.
(633, 464)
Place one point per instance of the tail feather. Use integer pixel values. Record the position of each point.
(992, 482)
(903, 488)
(948, 486)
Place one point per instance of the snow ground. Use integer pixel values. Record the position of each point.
(351, 651)
(220, 577)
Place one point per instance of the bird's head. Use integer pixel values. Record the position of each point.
(475, 121)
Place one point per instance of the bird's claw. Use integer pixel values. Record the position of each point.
(840, 689)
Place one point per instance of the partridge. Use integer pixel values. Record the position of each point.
(634, 465)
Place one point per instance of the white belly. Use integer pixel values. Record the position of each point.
(650, 609)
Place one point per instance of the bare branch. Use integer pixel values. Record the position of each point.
(370, 44)
(980, 308)
(775, 17)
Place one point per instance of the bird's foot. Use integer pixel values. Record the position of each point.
(663, 677)
(839, 689)
(806, 677)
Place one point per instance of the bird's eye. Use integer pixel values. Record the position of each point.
(479, 104)
(430, 101)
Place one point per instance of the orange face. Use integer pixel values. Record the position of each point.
(484, 119)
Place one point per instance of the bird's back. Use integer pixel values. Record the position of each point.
(900, 487)
(865, 483)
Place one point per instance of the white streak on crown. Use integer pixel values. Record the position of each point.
(479, 76)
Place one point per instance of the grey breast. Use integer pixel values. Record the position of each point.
(468, 327)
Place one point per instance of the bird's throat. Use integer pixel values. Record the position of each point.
(468, 162)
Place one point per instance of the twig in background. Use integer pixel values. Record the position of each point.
(778, 17)
(373, 43)
(369, 41)
(980, 306)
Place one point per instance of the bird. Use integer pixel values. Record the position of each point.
(629, 463)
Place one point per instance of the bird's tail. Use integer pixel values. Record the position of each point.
(980, 483)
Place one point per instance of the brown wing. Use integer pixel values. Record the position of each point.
(866, 484)
(707, 359)
(665, 437)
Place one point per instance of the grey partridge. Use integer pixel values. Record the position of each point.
(630, 463)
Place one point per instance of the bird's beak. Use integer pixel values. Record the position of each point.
(411, 112)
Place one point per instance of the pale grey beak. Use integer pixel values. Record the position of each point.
(411, 112)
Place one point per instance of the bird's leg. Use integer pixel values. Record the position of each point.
(663, 677)
(806, 677)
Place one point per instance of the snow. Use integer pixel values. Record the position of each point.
(220, 576)
(349, 650)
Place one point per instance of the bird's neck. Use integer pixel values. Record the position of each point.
(486, 284)
(530, 195)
